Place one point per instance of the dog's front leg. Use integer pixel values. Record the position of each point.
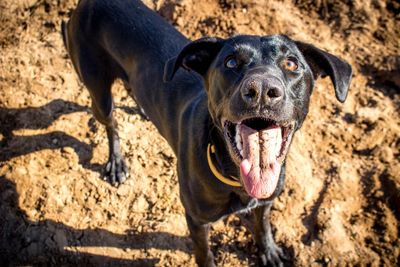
(258, 223)
(199, 234)
(116, 168)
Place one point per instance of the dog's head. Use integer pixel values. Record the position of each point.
(258, 95)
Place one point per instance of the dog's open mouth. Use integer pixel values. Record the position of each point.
(260, 145)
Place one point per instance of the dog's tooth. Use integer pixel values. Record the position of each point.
(238, 138)
(237, 134)
(239, 145)
(279, 142)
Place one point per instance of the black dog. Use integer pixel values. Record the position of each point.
(229, 116)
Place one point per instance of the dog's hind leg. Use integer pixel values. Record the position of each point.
(98, 75)
(258, 223)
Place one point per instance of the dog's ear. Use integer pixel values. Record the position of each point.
(197, 56)
(324, 64)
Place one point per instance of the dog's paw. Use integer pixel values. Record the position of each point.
(116, 171)
(274, 256)
(207, 261)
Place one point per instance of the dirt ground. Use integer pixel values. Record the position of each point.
(341, 204)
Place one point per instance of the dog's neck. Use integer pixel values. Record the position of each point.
(223, 160)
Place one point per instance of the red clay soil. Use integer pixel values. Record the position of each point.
(341, 203)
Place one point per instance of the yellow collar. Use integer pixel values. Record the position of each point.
(232, 181)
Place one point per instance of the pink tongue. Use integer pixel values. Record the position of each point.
(260, 168)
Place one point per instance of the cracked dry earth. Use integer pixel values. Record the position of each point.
(341, 203)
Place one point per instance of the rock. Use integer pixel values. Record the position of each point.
(50, 243)
(67, 150)
(278, 205)
(60, 239)
(33, 249)
(385, 154)
(140, 205)
(179, 22)
(123, 190)
(21, 170)
(28, 3)
(368, 113)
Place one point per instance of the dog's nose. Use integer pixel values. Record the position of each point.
(273, 92)
(251, 92)
(267, 90)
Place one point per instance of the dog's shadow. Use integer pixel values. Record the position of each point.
(46, 242)
(13, 145)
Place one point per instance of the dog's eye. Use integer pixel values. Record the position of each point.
(290, 64)
(231, 63)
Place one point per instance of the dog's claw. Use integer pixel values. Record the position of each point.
(274, 256)
(116, 171)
